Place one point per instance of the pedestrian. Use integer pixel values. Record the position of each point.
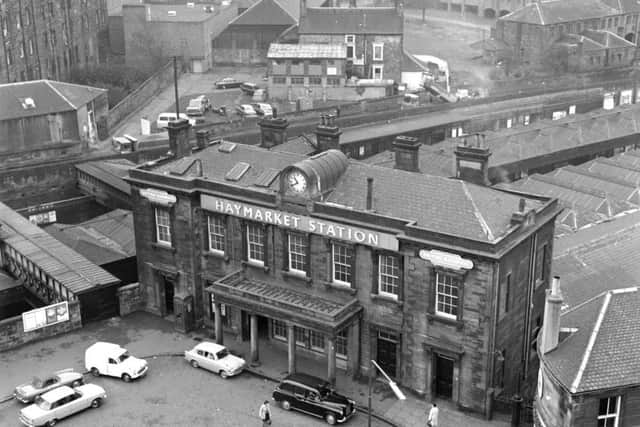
(433, 416)
(265, 414)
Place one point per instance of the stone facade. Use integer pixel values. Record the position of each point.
(485, 8)
(129, 299)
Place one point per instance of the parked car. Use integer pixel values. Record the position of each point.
(215, 358)
(262, 109)
(60, 403)
(227, 82)
(124, 144)
(198, 106)
(27, 392)
(104, 358)
(246, 110)
(165, 118)
(248, 88)
(313, 396)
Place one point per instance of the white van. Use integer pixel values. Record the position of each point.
(198, 106)
(165, 118)
(103, 358)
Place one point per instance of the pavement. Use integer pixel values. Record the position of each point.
(146, 335)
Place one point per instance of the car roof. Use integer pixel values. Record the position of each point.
(211, 347)
(57, 393)
(306, 379)
(108, 347)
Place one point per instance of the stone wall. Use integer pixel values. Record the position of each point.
(130, 299)
(12, 331)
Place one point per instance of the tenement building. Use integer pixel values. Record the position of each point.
(439, 280)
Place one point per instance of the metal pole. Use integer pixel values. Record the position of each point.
(371, 372)
(175, 86)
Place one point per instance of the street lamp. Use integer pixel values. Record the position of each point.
(394, 387)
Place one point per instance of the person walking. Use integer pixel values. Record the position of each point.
(265, 414)
(433, 416)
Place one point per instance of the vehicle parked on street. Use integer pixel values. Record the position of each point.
(27, 392)
(60, 403)
(215, 358)
(103, 358)
(124, 144)
(165, 118)
(313, 396)
(248, 88)
(227, 83)
(259, 95)
(246, 110)
(262, 109)
(198, 106)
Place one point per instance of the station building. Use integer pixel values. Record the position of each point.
(439, 280)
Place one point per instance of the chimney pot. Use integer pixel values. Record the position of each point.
(327, 134)
(551, 322)
(407, 149)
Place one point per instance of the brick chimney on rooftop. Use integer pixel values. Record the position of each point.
(407, 149)
(179, 144)
(327, 133)
(472, 159)
(273, 131)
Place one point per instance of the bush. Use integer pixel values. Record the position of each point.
(118, 79)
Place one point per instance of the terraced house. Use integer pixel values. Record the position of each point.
(434, 278)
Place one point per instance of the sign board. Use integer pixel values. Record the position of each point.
(302, 223)
(43, 218)
(45, 316)
(446, 259)
(608, 102)
(158, 197)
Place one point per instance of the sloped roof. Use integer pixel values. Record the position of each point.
(607, 39)
(305, 144)
(110, 172)
(560, 11)
(268, 12)
(361, 20)
(307, 50)
(603, 353)
(47, 97)
(74, 271)
(183, 13)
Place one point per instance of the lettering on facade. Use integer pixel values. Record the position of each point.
(301, 223)
(158, 197)
(446, 259)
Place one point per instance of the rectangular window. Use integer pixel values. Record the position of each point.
(507, 292)
(541, 254)
(342, 258)
(333, 81)
(341, 344)
(378, 49)
(297, 80)
(255, 243)
(279, 329)
(609, 411)
(297, 253)
(315, 80)
(301, 336)
(350, 51)
(377, 72)
(317, 340)
(216, 233)
(30, 43)
(349, 38)
(447, 287)
(388, 275)
(163, 226)
(279, 80)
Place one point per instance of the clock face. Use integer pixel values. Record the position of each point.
(297, 182)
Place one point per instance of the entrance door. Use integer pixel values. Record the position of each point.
(169, 293)
(444, 376)
(246, 326)
(386, 354)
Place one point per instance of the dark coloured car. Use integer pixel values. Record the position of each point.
(248, 88)
(227, 83)
(313, 396)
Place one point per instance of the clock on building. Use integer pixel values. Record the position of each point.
(297, 182)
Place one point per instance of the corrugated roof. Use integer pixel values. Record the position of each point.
(559, 11)
(75, 272)
(277, 50)
(361, 20)
(110, 172)
(41, 97)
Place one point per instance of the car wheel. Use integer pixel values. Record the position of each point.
(95, 372)
(126, 378)
(286, 405)
(76, 383)
(194, 364)
(330, 419)
(96, 403)
(52, 422)
(223, 374)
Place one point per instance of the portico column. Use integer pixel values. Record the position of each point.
(331, 359)
(255, 358)
(291, 342)
(217, 318)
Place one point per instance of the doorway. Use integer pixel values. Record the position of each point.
(386, 355)
(169, 293)
(443, 376)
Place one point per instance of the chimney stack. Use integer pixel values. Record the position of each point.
(407, 150)
(327, 133)
(273, 131)
(369, 194)
(472, 160)
(551, 322)
(179, 144)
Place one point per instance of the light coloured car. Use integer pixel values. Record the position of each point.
(227, 82)
(60, 403)
(104, 358)
(246, 110)
(263, 109)
(27, 392)
(215, 358)
(164, 119)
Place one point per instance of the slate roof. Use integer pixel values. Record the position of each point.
(75, 272)
(103, 239)
(302, 144)
(110, 172)
(606, 39)
(269, 12)
(48, 97)
(434, 203)
(361, 20)
(307, 50)
(603, 353)
(559, 11)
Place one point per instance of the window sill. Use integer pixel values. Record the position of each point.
(344, 288)
(385, 299)
(163, 246)
(291, 275)
(216, 255)
(263, 267)
(459, 324)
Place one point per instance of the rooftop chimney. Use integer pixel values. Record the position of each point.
(202, 138)
(273, 131)
(551, 322)
(179, 144)
(327, 133)
(407, 150)
(472, 159)
(369, 194)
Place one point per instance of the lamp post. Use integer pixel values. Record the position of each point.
(394, 387)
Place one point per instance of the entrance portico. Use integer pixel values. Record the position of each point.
(296, 309)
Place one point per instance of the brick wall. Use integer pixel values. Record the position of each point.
(12, 332)
(129, 299)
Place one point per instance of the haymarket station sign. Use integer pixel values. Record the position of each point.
(302, 223)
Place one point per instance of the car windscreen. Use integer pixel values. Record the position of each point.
(222, 353)
(37, 382)
(124, 356)
(324, 391)
(42, 404)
